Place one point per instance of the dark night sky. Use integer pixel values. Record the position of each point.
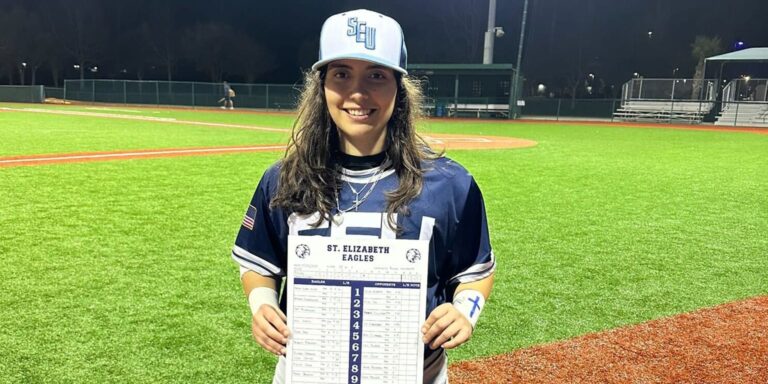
(605, 37)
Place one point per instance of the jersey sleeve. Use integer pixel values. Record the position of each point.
(471, 246)
(261, 240)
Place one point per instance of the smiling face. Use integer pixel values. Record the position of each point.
(360, 97)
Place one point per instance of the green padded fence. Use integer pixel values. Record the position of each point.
(22, 93)
(192, 94)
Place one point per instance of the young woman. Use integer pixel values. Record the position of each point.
(355, 152)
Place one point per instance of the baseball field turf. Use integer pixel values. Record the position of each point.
(119, 271)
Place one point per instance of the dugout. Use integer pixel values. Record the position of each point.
(467, 90)
(743, 89)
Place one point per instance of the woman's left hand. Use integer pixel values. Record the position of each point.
(446, 327)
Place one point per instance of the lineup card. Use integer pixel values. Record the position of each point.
(355, 308)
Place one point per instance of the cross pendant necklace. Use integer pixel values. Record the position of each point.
(370, 185)
(357, 195)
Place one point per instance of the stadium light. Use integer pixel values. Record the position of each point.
(650, 34)
(76, 66)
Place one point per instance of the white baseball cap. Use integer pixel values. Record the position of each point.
(363, 35)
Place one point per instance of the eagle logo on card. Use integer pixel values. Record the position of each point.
(250, 217)
(413, 255)
(302, 251)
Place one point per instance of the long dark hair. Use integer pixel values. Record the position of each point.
(309, 178)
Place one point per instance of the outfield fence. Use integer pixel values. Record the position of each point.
(659, 100)
(22, 93)
(180, 93)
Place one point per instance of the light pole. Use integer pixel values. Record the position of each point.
(516, 82)
(23, 70)
(492, 32)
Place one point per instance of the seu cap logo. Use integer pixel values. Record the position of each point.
(363, 35)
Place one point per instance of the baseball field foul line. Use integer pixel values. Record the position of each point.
(83, 157)
(143, 118)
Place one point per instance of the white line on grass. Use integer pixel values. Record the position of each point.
(143, 118)
(136, 154)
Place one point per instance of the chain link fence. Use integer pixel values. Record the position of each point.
(179, 93)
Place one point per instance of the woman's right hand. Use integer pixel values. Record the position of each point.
(269, 329)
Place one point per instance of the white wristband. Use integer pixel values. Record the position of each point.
(262, 295)
(470, 303)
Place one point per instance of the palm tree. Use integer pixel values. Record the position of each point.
(702, 48)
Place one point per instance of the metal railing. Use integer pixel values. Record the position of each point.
(668, 89)
(745, 89)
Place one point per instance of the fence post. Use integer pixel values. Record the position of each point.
(93, 91)
(65, 90)
(699, 115)
(266, 90)
(157, 93)
(194, 106)
(125, 93)
(736, 117)
(671, 110)
(559, 102)
(613, 108)
(765, 96)
(672, 95)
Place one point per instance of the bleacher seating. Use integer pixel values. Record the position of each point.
(753, 114)
(475, 110)
(691, 112)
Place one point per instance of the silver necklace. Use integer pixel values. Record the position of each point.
(374, 179)
(357, 194)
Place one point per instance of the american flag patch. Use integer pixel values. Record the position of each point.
(250, 217)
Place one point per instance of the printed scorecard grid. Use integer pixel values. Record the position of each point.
(353, 324)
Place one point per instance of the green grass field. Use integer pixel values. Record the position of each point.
(119, 271)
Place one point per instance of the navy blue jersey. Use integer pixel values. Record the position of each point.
(449, 213)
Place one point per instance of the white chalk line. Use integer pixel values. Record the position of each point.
(143, 118)
(140, 154)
